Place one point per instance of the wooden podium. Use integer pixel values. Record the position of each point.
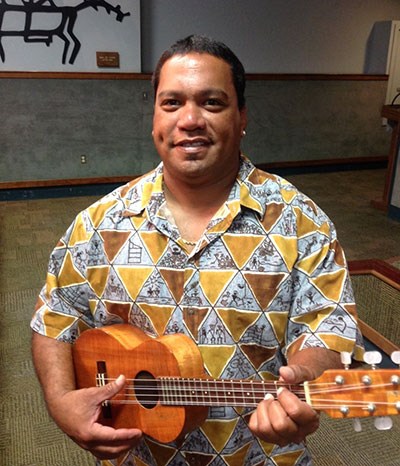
(392, 113)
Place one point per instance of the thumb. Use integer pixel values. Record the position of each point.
(109, 390)
(295, 373)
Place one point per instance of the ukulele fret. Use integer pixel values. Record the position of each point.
(210, 392)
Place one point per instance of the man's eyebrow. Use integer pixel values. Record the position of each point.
(217, 92)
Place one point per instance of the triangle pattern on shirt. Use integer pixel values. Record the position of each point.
(154, 290)
(216, 358)
(237, 322)
(97, 212)
(264, 290)
(174, 280)
(158, 315)
(69, 274)
(133, 280)
(257, 354)
(155, 244)
(214, 281)
(113, 242)
(238, 457)
(218, 432)
(331, 284)
(239, 253)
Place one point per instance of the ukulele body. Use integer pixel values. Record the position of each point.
(105, 353)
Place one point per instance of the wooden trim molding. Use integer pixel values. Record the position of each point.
(342, 162)
(61, 75)
(378, 268)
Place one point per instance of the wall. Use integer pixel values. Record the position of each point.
(47, 124)
(271, 36)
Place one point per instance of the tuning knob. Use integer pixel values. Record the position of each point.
(357, 424)
(395, 356)
(345, 358)
(383, 423)
(372, 358)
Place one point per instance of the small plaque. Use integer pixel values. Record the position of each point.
(107, 59)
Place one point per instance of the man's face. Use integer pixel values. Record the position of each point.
(197, 125)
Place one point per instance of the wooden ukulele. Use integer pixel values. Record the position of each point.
(168, 393)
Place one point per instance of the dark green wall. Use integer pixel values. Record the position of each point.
(47, 124)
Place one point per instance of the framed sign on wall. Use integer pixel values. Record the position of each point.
(70, 36)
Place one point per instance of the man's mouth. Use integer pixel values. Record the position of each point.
(193, 143)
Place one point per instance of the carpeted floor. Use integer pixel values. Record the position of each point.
(28, 231)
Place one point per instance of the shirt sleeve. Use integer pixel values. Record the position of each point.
(63, 306)
(323, 310)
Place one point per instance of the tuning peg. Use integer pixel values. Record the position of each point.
(395, 356)
(357, 424)
(372, 358)
(345, 358)
(383, 423)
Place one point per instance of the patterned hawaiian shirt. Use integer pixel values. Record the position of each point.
(267, 278)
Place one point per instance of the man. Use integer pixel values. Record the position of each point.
(208, 246)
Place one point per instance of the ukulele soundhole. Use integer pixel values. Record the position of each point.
(146, 390)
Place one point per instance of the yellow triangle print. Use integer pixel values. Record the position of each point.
(237, 322)
(306, 225)
(237, 458)
(155, 244)
(278, 321)
(137, 221)
(69, 275)
(309, 264)
(214, 281)
(97, 278)
(54, 321)
(242, 249)
(336, 342)
(267, 447)
(79, 233)
(133, 279)
(287, 459)
(98, 211)
(331, 284)
(216, 358)
(218, 432)
(287, 246)
(159, 315)
(314, 319)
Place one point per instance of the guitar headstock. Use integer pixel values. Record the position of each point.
(357, 393)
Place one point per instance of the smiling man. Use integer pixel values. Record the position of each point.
(211, 247)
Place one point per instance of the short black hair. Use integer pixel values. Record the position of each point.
(204, 44)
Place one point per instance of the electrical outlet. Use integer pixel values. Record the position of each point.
(83, 159)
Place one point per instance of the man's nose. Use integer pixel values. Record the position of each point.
(191, 117)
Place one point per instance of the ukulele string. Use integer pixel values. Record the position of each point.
(185, 392)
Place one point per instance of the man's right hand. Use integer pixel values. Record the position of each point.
(77, 414)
